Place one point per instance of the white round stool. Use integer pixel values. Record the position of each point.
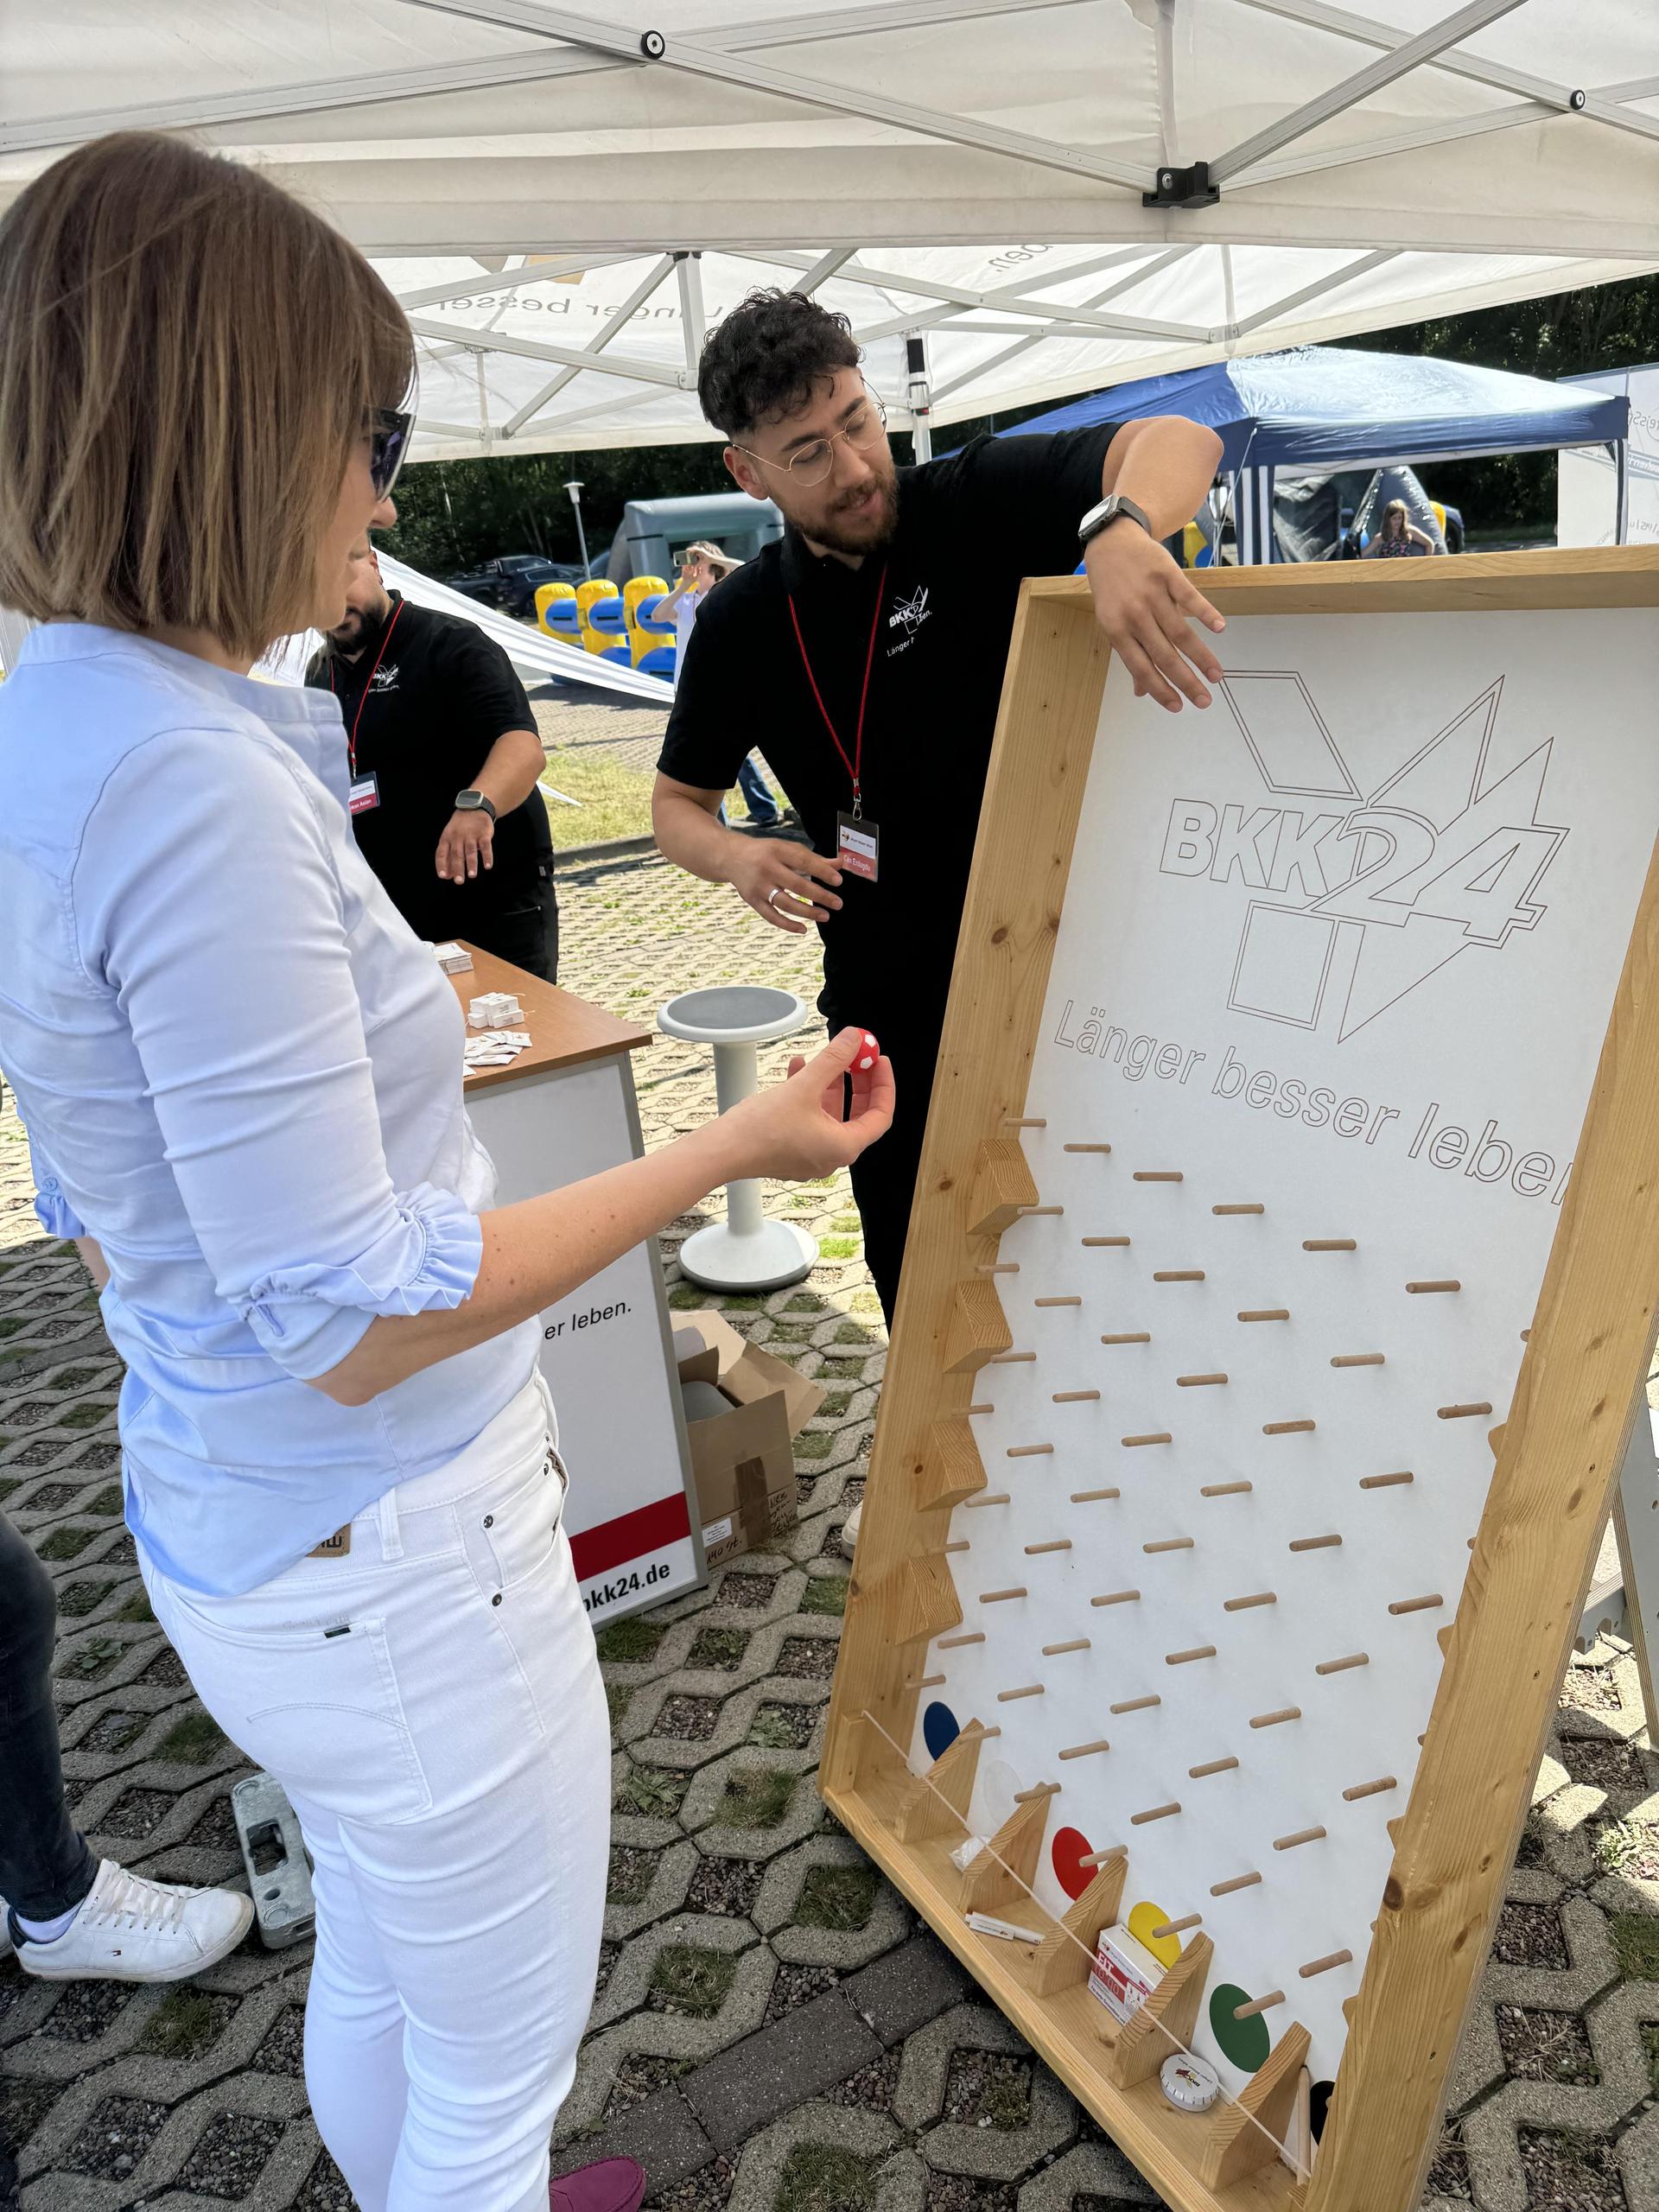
(745, 1251)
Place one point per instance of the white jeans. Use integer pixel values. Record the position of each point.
(432, 1705)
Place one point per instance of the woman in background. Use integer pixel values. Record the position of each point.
(702, 566)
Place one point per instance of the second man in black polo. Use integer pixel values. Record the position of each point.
(445, 759)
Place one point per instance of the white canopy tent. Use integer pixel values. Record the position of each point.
(1050, 194)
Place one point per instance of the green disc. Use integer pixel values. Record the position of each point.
(1246, 2042)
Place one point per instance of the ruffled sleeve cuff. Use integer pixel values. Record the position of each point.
(310, 1315)
(54, 1213)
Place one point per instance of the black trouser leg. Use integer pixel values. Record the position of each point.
(884, 1178)
(45, 1866)
(528, 935)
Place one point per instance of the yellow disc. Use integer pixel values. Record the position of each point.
(1143, 1919)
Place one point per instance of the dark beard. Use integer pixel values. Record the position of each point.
(871, 538)
(347, 636)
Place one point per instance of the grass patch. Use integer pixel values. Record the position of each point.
(137, 1608)
(804, 1302)
(865, 1301)
(835, 1404)
(814, 1443)
(108, 1501)
(694, 1982)
(720, 1648)
(1636, 1945)
(67, 1543)
(842, 1898)
(1650, 2044)
(772, 1732)
(825, 1593)
(182, 2025)
(618, 1699)
(615, 800)
(756, 1797)
(70, 1378)
(629, 1642)
(193, 1741)
(94, 1657)
(653, 1792)
(822, 2177)
(839, 1248)
(84, 1416)
(82, 1598)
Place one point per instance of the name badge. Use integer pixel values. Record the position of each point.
(858, 846)
(365, 793)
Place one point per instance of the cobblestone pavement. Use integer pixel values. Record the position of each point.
(772, 2031)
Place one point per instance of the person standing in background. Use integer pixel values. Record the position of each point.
(701, 568)
(445, 759)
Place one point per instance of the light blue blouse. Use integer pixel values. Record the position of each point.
(241, 1072)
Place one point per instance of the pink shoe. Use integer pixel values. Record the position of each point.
(613, 2185)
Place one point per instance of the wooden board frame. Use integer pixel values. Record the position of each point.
(1558, 1452)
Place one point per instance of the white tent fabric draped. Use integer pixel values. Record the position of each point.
(564, 200)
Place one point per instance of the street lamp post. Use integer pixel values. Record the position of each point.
(574, 490)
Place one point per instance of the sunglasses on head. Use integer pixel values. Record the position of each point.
(390, 430)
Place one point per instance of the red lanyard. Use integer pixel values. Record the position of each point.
(351, 742)
(854, 767)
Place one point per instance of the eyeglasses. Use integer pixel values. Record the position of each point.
(390, 430)
(813, 463)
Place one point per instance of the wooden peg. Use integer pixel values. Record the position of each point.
(1178, 1927)
(1054, 1544)
(1030, 1451)
(927, 1682)
(1462, 1413)
(1056, 1301)
(1265, 1313)
(1418, 1289)
(1018, 1122)
(1011, 1358)
(1031, 1689)
(1074, 1397)
(1178, 1275)
(1273, 1719)
(1164, 2023)
(982, 1409)
(1034, 1213)
(1287, 1428)
(951, 1643)
(1184, 1658)
(1225, 1490)
(1170, 1544)
(937, 1804)
(1089, 1496)
(1197, 1382)
(1245, 1209)
(1065, 1954)
(1085, 1750)
(1004, 1870)
(1384, 1482)
(1042, 1789)
(1243, 1605)
(1085, 1147)
(999, 1597)
(976, 1329)
(1116, 1598)
(1416, 1605)
(1074, 1643)
(1157, 1436)
(1342, 1666)
(1132, 1337)
(1003, 1186)
(1153, 1812)
(960, 1544)
(1105, 1858)
(1329, 1244)
(988, 1498)
(1159, 1175)
(1302, 1835)
(998, 1268)
(1211, 1766)
(1315, 1543)
(1259, 2005)
(1136, 1704)
(1234, 1881)
(1105, 1243)
(1324, 1965)
(1242, 2137)
(1384, 1782)
(951, 1471)
(1359, 1360)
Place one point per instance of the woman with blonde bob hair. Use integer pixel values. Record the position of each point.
(241, 1077)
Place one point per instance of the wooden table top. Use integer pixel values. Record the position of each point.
(565, 1031)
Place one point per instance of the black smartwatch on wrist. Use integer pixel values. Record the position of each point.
(1103, 515)
(474, 803)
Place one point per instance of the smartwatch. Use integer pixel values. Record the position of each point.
(473, 803)
(1103, 515)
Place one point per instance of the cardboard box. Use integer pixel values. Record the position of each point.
(1125, 1974)
(742, 1456)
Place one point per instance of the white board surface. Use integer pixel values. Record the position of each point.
(1343, 948)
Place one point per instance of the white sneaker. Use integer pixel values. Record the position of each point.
(129, 1929)
(850, 1529)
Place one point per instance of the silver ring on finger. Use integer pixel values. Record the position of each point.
(771, 895)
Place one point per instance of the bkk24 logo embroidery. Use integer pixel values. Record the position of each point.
(1393, 884)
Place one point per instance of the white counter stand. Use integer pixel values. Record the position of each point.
(745, 1252)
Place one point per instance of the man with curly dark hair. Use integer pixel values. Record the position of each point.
(864, 654)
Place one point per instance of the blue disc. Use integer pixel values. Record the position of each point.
(940, 1729)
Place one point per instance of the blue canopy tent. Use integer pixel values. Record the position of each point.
(1325, 408)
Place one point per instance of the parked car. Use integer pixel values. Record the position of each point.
(511, 583)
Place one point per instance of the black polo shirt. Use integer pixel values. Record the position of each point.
(942, 598)
(439, 693)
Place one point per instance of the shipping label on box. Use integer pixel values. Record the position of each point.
(1125, 1974)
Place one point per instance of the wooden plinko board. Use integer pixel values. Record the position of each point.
(1273, 1455)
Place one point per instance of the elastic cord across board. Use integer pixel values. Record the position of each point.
(1281, 2150)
